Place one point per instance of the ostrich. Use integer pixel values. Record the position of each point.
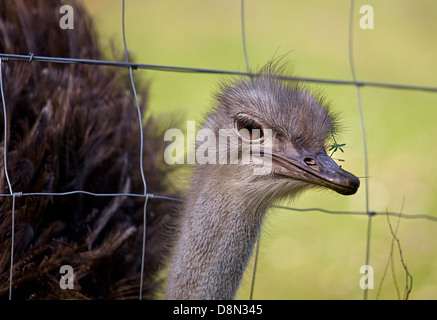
(74, 127)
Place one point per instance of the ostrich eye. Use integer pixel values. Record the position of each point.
(249, 129)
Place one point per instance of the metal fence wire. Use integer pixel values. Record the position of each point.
(358, 84)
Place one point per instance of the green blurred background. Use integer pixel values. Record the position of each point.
(314, 255)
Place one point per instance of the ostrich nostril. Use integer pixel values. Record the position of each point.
(312, 163)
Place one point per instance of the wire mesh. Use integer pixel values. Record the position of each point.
(4, 57)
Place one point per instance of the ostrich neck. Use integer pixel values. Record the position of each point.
(218, 232)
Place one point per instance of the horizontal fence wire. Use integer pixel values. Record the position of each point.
(31, 57)
(152, 196)
(6, 57)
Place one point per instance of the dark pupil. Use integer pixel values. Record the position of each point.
(250, 126)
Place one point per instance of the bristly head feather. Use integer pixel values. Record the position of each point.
(281, 103)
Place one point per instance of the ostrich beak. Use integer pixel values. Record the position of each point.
(318, 169)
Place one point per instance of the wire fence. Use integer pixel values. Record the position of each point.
(7, 57)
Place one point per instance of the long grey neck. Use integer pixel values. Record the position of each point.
(217, 236)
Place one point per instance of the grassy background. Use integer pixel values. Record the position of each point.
(314, 255)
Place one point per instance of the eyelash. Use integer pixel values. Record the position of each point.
(248, 124)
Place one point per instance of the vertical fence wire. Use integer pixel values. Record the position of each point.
(363, 134)
(140, 119)
(11, 270)
(5, 166)
(5, 119)
(243, 36)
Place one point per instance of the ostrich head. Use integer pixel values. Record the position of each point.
(287, 129)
